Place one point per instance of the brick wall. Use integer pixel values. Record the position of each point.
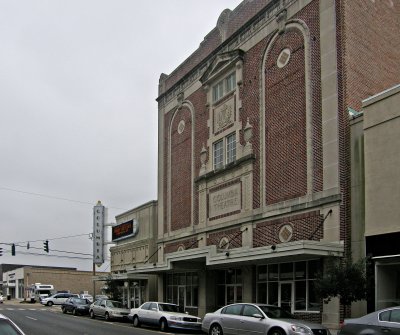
(74, 281)
(304, 226)
(181, 171)
(371, 48)
(234, 242)
(285, 121)
(189, 243)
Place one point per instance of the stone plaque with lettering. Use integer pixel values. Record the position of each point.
(225, 201)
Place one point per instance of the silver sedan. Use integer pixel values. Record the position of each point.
(164, 316)
(384, 321)
(257, 319)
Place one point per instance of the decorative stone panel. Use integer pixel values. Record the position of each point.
(215, 238)
(304, 226)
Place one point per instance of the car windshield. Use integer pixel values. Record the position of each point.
(80, 301)
(115, 304)
(274, 312)
(8, 328)
(168, 308)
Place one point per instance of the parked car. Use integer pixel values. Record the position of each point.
(383, 321)
(8, 327)
(101, 296)
(108, 309)
(247, 318)
(86, 296)
(75, 305)
(1, 299)
(57, 299)
(164, 316)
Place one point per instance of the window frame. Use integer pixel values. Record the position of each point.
(224, 86)
(226, 152)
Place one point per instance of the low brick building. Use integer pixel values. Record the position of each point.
(17, 280)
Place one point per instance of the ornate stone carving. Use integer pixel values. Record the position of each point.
(286, 233)
(181, 127)
(223, 116)
(203, 159)
(247, 136)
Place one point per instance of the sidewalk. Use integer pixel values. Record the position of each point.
(17, 302)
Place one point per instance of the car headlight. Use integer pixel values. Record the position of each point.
(301, 329)
(176, 318)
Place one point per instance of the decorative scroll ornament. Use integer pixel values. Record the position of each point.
(247, 136)
(203, 159)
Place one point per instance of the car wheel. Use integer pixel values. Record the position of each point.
(215, 329)
(50, 303)
(91, 313)
(74, 312)
(136, 322)
(107, 316)
(163, 325)
(276, 331)
(64, 310)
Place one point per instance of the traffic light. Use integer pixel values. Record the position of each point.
(13, 249)
(46, 246)
(1, 251)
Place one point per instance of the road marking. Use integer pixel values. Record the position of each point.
(31, 318)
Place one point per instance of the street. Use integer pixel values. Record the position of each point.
(41, 320)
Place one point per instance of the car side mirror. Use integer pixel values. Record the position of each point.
(258, 316)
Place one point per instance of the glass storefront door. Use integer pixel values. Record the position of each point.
(285, 297)
(181, 297)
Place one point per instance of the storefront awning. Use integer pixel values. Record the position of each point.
(211, 257)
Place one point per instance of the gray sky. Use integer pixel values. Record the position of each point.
(78, 83)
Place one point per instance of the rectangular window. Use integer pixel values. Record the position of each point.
(262, 293)
(231, 148)
(182, 289)
(230, 82)
(218, 91)
(300, 274)
(218, 155)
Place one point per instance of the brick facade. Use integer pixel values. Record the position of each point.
(298, 66)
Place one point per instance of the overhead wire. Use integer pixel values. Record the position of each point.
(54, 197)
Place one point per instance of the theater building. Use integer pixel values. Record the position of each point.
(254, 173)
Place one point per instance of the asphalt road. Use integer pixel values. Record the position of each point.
(40, 320)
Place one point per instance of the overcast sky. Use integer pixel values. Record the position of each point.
(78, 83)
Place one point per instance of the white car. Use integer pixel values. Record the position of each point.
(86, 296)
(1, 299)
(57, 299)
(8, 327)
(164, 316)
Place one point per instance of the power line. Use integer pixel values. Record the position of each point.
(54, 197)
(49, 239)
(68, 252)
(58, 256)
